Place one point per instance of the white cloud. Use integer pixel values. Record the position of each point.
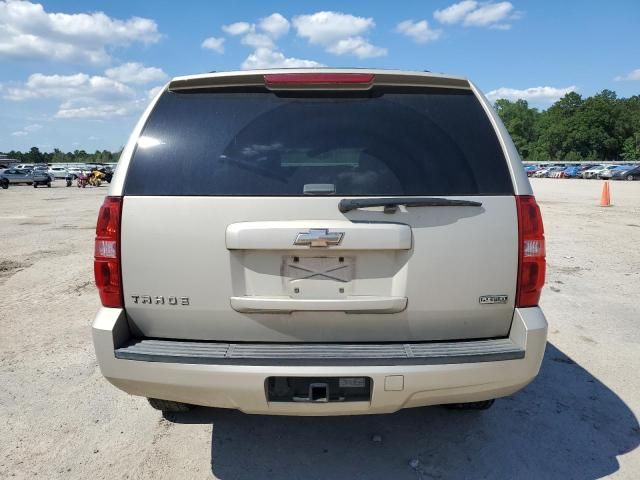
(489, 14)
(93, 111)
(534, 94)
(357, 46)
(238, 28)
(266, 58)
(28, 31)
(456, 12)
(78, 86)
(82, 95)
(474, 14)
(633, 75)
(420, 31)
(34, 127)
(134, 72)
(262, 38)
(339, 33)
(324, 28)
(275, 25)
(258, 40)
(214, 44)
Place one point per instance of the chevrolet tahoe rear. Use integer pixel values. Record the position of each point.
(319, 242)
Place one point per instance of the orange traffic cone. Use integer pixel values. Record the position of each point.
(605, 198)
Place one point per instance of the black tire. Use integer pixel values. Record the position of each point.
(483, 405)
(35, 184)
(4, 185)
(169, 406)
(48, 184)
(630, 177)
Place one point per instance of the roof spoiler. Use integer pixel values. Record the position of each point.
(316, 80)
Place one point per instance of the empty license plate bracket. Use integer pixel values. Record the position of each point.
(318, 276)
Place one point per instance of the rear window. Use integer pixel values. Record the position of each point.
(380, 142)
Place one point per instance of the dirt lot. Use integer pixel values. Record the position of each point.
(60, 419)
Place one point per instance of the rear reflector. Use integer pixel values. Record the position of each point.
(291, 79)
(106, 263)
(531, 257)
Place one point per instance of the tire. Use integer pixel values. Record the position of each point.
(4, 185)
(35, 184)
(48, 184)
(483, 405)
(630, 178)
(169, 405)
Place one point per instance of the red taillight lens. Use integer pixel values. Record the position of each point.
(106, 263)
(531, 257)
(284, 79)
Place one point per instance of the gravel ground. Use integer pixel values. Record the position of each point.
(61, 419)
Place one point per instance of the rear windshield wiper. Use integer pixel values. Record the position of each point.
(391, 204)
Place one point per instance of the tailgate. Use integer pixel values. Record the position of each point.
(419, 277)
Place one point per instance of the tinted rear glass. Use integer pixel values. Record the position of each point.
(381, 142)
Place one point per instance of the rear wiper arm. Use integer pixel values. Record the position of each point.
(391, 204)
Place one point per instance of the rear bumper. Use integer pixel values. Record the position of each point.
(241, 385)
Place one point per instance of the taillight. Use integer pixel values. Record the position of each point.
(291, 79)
(106, 263)
(531, 257)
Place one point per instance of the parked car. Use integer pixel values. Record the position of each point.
(43, 169)
(607, 174)
(572, 171)
(530, 169)
(556, 172)
(548, 171)
(541, 173)
(327, 274)
(58, 172)
(596, 170)
(631, 173)
(24, 166)
(29, 177)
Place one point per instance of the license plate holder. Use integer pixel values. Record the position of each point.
(316, 277)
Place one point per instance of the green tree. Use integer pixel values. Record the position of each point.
(34, 156)
(520, 121)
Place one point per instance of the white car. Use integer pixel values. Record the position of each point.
(543, 172)
(595, 172)
(58, 172)
(319, 242)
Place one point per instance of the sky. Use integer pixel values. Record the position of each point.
(77, 74)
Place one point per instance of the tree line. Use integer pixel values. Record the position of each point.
(34, 155)
(601, 127)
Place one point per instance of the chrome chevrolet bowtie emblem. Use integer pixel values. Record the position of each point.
(318, 237)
